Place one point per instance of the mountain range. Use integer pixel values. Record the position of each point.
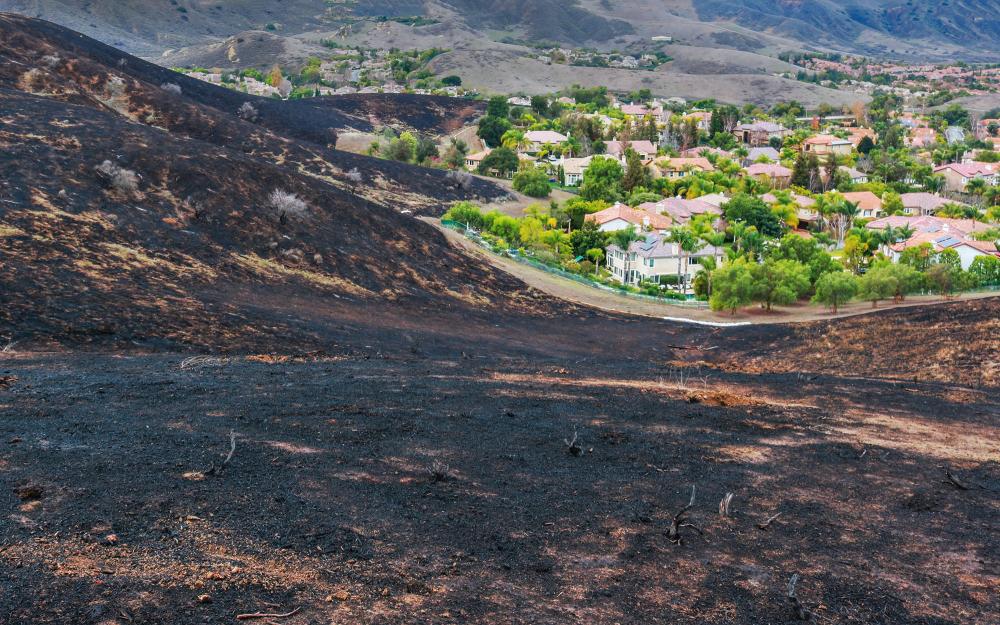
(966, 29)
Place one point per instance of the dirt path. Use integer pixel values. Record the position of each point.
(589, 296)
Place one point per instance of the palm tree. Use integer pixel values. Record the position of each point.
(514, 139)
(976, 187)
(571, 146)
(687, 243)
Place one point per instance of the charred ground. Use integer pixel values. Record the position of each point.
(399, 410)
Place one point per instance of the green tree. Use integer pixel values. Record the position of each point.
(876, 284)
(403, 148)
(426, 149)
(596, 256)
(753, 211)
(986, 270)
(465, 213)
(636, 174)
(497, 107)
(919, 257)
(808, 252)
(532, 181)
(866, 145)
(779, 282)
(501, 161)
(588, 237)
(835, 288)
(602, 180)
(732, 286)
(491, 129)
(454, 154)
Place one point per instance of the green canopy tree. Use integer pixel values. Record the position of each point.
(602, 180)
(835, 288)
(779, 282)
(732, 286)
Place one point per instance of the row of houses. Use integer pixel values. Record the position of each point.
(940, 233)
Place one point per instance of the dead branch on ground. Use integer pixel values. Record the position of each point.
(243, 617)
(679, 521)
(799, 611)
(440, 472)
(768, 522)
(957, 483)
(572, 446)
(215, 470)
(724, 504)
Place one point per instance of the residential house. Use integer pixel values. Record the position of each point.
(519, 101)
(681, 210)
(757, 154)
(856, 135)
(983, 126)
(869, 204)
(702, 118)
(645, 149)
(760, 133)
(538, 139)
(807, 214)
(957, 175)
(472, 161)
(655, 258)
(823, 145)
(778, 176)
(680, 167)
(855, 176)
(920, 137)
(573, 170)
(715, 199)
(621, 217)
(923, 203)
(704, 150)
(969, 249)
(640, 111)
(941, 233)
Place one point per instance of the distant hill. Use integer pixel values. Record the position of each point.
(885, 26)
(968, 29)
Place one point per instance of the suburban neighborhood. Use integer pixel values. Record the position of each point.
(703, 201)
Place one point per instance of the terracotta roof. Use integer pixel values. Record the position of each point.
(924, 201)
(929, 223)
(679, 164)
(770, 170)
(640, 109)
(969, 170)
(681, 210)
(544, 136)
(825, 140)
(635, 216)
(658, 246)
(643, 147)
(866, 200)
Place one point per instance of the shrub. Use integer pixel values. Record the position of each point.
(532, 181)
(287, 205)
(171, 87)
(247, 112)
(119, 178)
(459, 178)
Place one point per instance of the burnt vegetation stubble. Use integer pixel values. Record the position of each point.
(388, 431)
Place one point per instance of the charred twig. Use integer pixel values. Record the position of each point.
(957, 483)
(798, 610)
(679, 521)
(724, 504)
(215, 470)
(243, 617)
(572, 446)
(440, 472)
(767, 523)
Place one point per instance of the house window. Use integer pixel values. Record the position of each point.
(694, 260)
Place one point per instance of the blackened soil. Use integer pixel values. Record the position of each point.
(430, 484)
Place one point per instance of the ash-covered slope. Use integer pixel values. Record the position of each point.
(178, 238)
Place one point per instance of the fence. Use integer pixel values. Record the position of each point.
(531, 262)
